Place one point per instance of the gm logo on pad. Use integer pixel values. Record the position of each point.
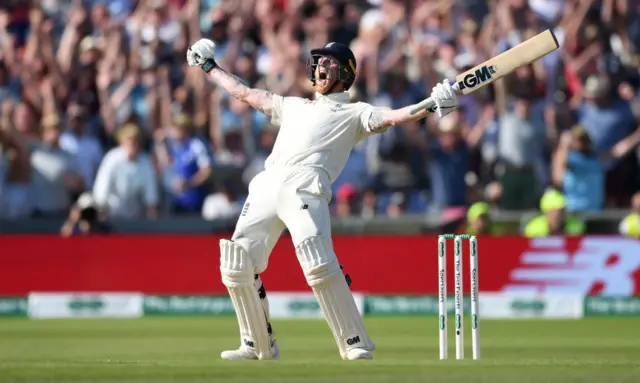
(481, 75)
(354, 340)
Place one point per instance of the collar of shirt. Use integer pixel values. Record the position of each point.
(342, 97)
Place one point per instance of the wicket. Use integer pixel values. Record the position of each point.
(459, 294)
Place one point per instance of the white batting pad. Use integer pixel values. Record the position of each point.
(323, 274)
(237, 272)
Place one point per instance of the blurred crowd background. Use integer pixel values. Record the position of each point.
(98, 107)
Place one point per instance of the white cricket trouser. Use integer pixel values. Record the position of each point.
(297, 197)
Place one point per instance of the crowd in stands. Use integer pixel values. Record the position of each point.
(96, 100)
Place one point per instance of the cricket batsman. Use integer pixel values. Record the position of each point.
(313, 145)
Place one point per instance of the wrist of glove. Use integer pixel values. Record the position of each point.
(209, 65)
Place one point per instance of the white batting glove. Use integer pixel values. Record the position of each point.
(445, 98)
(202, 54)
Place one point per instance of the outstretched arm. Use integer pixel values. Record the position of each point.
(443, 95)
(382, 118)
(258, 98)
(626, 145)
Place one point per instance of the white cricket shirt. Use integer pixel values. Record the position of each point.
(317, 133)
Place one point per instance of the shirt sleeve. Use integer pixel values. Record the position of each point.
(365, 114)
(102, 184)
(277, 109)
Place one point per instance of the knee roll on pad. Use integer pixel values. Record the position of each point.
(237, 272)
(257, 250)
(330, 288)
(236, 266)
(318, 260)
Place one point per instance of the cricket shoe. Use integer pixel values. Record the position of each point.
(246, 353)
(358, 353)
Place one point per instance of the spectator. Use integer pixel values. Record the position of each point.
(79, 142)
(478, 219)
(57, 177)
(609, 119)
(9, 85)
(554, 220)
(630, 225)
(223, 204)
(521, 141)
(580, 171)
(493, 194)
(448, 163)
(15, 168)
(4, 168)
(232, 157)
(368, 204)
(346, 199)
(126, 185)
(24, 123)
(186, 166)
(397, 205)
(395, 174)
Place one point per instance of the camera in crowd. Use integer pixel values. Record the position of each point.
(85, 218)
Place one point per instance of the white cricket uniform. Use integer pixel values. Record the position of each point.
(312, 147)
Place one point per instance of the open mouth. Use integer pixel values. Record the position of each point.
(322, 73)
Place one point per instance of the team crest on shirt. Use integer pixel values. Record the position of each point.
(336, 108)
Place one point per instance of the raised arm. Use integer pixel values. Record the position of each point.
(443, 95)
(201, 54)
(626, 144)
(559, 162)
(260, 99)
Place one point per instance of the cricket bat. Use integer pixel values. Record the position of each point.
(499, 66)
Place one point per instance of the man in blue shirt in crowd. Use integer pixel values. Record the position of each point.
(608, 121)
(579, 171)
(189, 168)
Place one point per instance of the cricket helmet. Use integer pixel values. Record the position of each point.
(346, 60)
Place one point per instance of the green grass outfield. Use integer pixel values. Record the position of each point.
(187, 350)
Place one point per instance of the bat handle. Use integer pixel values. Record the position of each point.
(428, 102)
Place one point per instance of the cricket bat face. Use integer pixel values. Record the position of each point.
(506, 62)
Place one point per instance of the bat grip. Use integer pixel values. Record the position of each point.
(428, 102)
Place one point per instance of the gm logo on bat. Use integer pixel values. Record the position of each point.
(481, 75)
